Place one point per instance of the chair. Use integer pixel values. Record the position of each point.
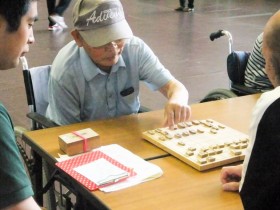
(36, 87)
(236, 66)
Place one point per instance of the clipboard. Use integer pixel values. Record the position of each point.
(70, 165)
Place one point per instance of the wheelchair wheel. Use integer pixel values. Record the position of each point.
(218, 94)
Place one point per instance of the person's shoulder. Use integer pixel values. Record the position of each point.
(269, 97)
(260, 38)
(3, 109)
(66, 57)
(136, 44)
(135, 41)
(4, 116)
(69, 48)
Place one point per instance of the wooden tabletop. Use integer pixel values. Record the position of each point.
(125, 131)
(181, 187)
(233, 112)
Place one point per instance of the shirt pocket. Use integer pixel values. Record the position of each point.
(129, 104)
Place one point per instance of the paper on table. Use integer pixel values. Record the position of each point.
(89, 157)
(145, 170)
(102, 172)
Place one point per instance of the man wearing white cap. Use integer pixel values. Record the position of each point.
(97, 75)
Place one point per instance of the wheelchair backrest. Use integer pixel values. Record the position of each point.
(40, 78)
(236, 65)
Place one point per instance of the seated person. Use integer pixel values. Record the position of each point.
(97, 75)
(16, 31)
(255, 76)
(260, 184)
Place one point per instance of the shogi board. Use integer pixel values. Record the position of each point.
(203, 144)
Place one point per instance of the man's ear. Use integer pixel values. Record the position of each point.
(77, 37)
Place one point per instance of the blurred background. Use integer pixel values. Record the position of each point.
(179, 39)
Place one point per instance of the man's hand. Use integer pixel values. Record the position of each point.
(230, 177)
(175, 112)
(177, 108)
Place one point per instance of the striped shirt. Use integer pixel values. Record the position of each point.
(255, 76)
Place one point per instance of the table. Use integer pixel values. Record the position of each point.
(181, 187)
(126, 131)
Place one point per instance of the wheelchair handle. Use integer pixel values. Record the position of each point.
(24, 63)
(219, 33)
(216, 35)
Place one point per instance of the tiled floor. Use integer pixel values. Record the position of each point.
(181, 41)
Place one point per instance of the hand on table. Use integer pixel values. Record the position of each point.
(230, 177)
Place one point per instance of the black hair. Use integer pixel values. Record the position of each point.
(12, 11)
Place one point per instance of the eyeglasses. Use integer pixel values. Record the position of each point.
(115, 44)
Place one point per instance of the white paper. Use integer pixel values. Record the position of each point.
(145, 170)
(102, 172)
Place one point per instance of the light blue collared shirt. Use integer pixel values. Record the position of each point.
(80, 91)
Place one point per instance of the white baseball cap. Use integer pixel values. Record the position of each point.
(100, 21)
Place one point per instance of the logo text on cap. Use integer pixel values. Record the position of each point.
(106, 16)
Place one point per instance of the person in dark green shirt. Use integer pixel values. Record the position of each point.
(16, 34)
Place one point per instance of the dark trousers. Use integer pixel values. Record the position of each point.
(57, 9)
(190, 3)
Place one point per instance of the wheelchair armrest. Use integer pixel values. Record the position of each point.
(41, 120)
(244, 90)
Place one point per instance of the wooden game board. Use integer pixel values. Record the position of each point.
(203, 144)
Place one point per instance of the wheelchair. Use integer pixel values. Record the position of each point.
(236, 65)
(57, 193)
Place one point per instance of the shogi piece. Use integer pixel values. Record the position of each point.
(78, 141)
